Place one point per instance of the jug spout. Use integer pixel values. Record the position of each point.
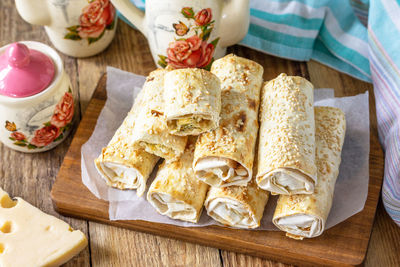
(34, 12)
(235, 22)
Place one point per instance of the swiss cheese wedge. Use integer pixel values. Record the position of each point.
(29, 237)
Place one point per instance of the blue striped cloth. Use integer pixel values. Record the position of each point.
(356, 37)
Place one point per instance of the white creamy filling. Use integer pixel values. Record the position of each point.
(215, 170)
(285, 181)
(171, 207)
(301, 224)
(230, 212)
(117, 173)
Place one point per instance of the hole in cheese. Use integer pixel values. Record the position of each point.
(1, 248)
(6, 202)
(7, 227)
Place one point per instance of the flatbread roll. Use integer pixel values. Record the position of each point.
(176, 192)
(122, 165)
(192, 101)
(224, 156)
(151, 131)
(237, 206)
(286, 152)
(305, 215)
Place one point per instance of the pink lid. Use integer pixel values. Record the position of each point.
(24, 72)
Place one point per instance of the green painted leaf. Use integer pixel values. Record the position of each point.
(162, 61)
(73, 28)
(61, 136)
(92, 40)
(11, 138)
(67, 127)
(163, 64)
(209, 24)
(208, 67)
(72, 36)
(69, 90)
(30, 146)
(206, 34)
(111, 25)
(215, 42)
(19, 143)
(47, 123)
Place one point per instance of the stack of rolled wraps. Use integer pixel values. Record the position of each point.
(173, 107)
(205, 125)
(299, 154)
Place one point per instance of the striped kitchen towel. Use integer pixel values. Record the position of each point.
(357, 37)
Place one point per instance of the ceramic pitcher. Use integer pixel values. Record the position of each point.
(78, 28)
(189, 33)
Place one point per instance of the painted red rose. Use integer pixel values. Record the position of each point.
(190, 53)
(203, 17)
(64, 111)
(18, 136)
(95, 17)
(44, 136)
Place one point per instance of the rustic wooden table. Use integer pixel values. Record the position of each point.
(32, 176)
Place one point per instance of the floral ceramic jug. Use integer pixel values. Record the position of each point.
(78, 28)
(189, 33)
(36, 99)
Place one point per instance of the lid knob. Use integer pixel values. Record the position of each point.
(18, 55)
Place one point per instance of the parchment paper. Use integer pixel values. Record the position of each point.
(351, 187)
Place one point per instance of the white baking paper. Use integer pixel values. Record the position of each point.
(351, 187)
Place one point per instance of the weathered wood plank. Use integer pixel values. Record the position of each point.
(31, 176)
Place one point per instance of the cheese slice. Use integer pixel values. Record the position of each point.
(29, 237)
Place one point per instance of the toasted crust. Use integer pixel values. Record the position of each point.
(330, 131)
(192, 92)
(236, 134)
(287, 130)
(177, 180)
(151, 127)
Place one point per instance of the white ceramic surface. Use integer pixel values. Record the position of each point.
(78, 28)
(169, 24)
(40, 122)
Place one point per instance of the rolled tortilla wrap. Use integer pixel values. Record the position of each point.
(151, 131)
(286, 152)
(224, 156)
(305, 215)
(122, 165)
(237, 206)
(192, 101)
(176, 192)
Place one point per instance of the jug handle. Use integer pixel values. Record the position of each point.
(235, 22)
(132, 13)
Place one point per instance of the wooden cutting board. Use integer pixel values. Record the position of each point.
(343, 245)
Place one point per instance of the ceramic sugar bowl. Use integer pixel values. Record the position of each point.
(36, 98)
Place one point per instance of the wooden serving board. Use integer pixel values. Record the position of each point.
(343, 245)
